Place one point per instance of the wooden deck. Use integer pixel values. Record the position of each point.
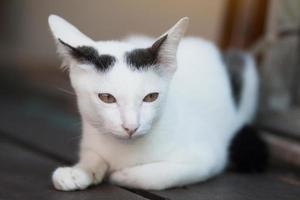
(37, 136)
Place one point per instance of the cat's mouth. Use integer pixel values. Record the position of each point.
(123, 135)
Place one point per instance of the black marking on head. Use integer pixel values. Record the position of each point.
(235, 65)
(144, 58)
(87, 54)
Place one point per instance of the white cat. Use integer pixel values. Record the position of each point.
(155, 113)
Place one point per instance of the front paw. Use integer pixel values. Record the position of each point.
(71, 178)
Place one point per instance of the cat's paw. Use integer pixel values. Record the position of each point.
(71, 178)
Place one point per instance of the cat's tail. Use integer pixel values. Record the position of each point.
(249, 91)
(244, 81)
(248, 152)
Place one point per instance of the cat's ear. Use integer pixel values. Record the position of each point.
(166, 45)
(67, 36)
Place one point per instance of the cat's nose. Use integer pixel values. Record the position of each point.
(130, 130)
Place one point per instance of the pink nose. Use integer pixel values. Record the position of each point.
(130, 130)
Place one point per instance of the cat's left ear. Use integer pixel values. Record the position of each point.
(166, 45)
(67, 36)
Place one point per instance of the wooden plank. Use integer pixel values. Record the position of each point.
(286, 123)
(41, 125)
(283, 149)
(26, 175)
(236, 186)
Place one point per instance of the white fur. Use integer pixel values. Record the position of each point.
(182, 137)
(250, 91)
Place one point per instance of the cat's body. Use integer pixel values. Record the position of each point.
(186, 141)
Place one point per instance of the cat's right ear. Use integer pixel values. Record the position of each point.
(67, 36)
(166, 45)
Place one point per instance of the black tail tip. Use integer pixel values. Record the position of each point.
(248, 152)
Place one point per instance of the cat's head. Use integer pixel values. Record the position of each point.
(121, 87)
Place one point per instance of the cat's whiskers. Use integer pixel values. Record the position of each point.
(66, 91)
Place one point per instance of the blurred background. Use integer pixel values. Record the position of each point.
(35, 91)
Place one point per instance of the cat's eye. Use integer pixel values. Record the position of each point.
(150, 97)
(107, 98)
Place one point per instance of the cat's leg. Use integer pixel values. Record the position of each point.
(162, 175)
(90, 169)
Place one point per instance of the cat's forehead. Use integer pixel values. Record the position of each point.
(114, 48)
(136, 58)
(119, 73)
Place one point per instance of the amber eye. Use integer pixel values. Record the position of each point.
(150, 97)
(107, 98)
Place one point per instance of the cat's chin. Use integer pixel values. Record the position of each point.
(127, 137)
